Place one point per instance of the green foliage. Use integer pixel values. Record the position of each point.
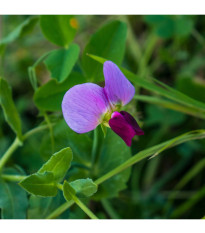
(81, 144)
(10, 112)
(84, 187)
(112, 153)
(50, 95)
(58, 29)
(40, 208)
(61, 62)
(19, 31)
(109, 42)
(167, 26)
(13, 199)
(44, 182)
(58, 164)
(168, 107)
(40, 184)
(68, 191)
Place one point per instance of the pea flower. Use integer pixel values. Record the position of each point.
(87, 105)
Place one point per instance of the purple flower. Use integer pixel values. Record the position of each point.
(87, 105)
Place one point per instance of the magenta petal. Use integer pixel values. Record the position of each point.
(83, 106)
(124, 125)
(117, 86)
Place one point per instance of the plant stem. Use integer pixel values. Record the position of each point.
(9, 152)
(34, 131)
(18, 143)
(60, 209)
(94, 148)
(83, 207)
(51, 131)
(150, 151)
(192, 135)
(14, 178)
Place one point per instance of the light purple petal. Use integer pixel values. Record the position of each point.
(117, 86)
(83, 106)
(124, 125)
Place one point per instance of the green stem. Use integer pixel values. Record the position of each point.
(18, 143)
(9, 152)
(14, 178)
(60, 209)
(196, 134)
(51, 131)
(34, 131)
(94, 148)
(83, 207)
(79, 203)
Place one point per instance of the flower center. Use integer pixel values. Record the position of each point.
(107, 116)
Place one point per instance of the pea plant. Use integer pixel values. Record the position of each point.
(94, 134)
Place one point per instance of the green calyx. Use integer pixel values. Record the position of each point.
(107, 116)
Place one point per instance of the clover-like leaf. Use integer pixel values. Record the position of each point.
(60, 62)
(109, 42)
(58, 164)
(40, 184)
(84, 187)
(59, 29)
(49, 96)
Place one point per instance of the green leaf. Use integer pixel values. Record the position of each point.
(84, 187)
(58, 164)
(40, 184)
(68, 191)
(80, 144)
(49, 96)
(109, 42)
(61, 62)
(19, 31)
(58, 29)
(113, 152)
(13, 199)
(10, 112)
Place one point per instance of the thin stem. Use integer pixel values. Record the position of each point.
(196, 134)
(14, 178)
(94, 148)
(150, 151)
(60, 209)
(51, 131)
(83, 207)
(34, 131)
(9, 152)
(18, 143)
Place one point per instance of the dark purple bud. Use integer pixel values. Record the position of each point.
(124, 125)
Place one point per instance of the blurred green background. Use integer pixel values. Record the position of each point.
(168, 48)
